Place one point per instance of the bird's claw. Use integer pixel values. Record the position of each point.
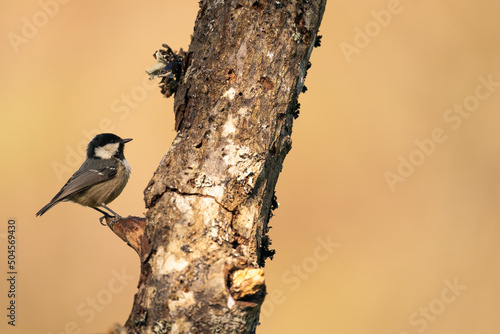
(111, 223)
(101, 219)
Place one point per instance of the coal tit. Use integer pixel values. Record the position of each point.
(100, 179)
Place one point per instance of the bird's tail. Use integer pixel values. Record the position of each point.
(45, 208)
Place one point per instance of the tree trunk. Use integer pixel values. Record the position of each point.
(210, 200)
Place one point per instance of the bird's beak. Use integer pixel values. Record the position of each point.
(126, 140)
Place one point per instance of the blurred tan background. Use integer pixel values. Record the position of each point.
(389, 220)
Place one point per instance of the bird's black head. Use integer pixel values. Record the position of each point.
(105, 146)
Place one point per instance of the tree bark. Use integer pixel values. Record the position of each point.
(210, 200)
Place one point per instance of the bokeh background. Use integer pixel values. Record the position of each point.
(389, 217)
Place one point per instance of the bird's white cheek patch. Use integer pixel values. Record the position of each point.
(106, 151)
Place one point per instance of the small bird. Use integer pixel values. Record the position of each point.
(100, 179)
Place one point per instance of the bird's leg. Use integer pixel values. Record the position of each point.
(106, 215)
(114, 213)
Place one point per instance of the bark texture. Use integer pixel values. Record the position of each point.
(210, 200)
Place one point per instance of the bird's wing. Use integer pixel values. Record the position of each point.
(87, 177)
(92, 172)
